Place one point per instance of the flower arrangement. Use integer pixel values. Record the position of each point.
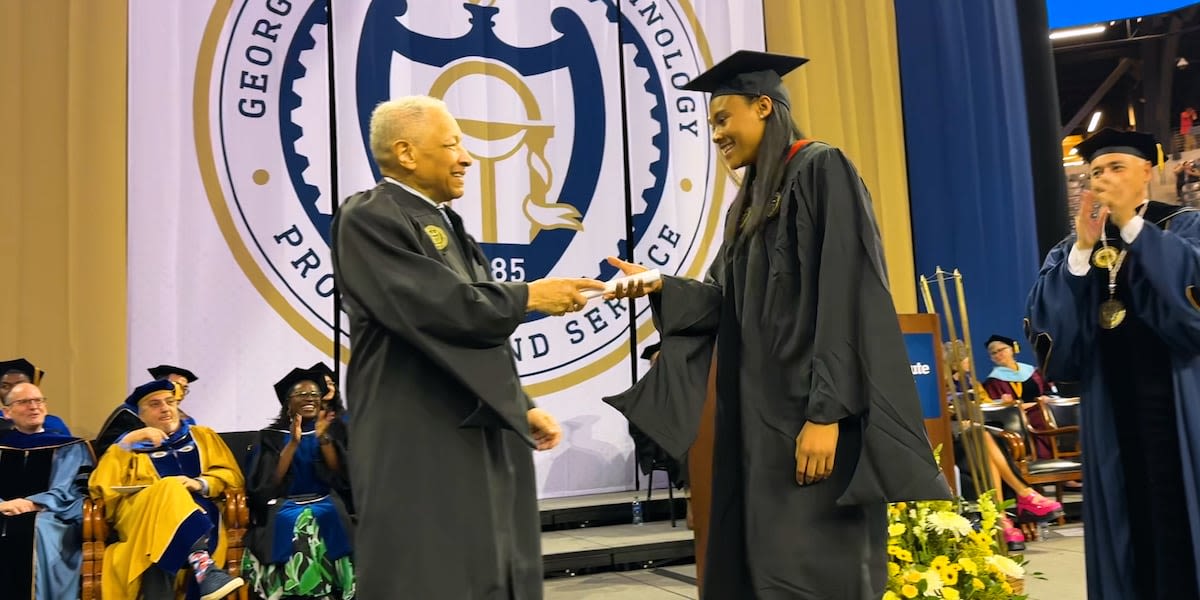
(936, 552)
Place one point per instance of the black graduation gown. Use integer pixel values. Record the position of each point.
(806, 331)
(443, 474)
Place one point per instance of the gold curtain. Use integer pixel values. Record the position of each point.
(62, 164)
(849, 96)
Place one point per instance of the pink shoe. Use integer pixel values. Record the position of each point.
(1012, 536)
(1035, 507)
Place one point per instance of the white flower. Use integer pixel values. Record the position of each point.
(946, 521)
(933, 582)
(1007, 566)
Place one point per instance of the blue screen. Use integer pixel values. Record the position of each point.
(1072, 13)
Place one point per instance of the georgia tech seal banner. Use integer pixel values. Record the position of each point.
(583, 145)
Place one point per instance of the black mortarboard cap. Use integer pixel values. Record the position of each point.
(1001, 339)
(1115, 141)
(323, 369)
(285, 385)
(748, 73)
(162, 371)
(141, 391)
(23, 366)
(649, 351)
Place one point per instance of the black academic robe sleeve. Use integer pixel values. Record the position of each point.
(667, 401)
(859, 364)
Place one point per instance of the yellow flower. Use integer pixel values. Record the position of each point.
(968, 565)
(894, 550)
(982, 540)
(939, 561)
(904, 555)
(908, 591)
(893, 569)
(1004, 587)
(890, 595)
(901, 505)
(912, 577)
(896, 529)
(949, 576)
(977, 584)
(950, 593)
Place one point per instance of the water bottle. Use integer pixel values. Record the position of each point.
(637, 512)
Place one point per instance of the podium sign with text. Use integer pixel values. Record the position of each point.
(922, 340)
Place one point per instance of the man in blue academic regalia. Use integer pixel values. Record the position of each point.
(43, 480)
(1117, 308)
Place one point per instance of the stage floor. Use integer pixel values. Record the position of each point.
(613, 536)
(1059, 558)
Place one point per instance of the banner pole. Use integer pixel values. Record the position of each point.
(333, 184)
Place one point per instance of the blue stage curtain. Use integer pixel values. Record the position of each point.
(968, 156)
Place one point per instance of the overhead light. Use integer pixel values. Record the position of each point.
(1074, 163)
(1182, 63)
(1074, 151)
(1062, 34)
(1095, 122)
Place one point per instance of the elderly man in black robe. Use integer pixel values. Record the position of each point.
(444, 483)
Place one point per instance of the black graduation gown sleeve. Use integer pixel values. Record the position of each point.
(667, 401)
(859, 364)
(384, 267)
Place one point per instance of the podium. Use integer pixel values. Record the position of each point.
(922, 339)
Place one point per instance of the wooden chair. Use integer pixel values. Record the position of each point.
(1010, 427)
(96, 535)
(1063, 413)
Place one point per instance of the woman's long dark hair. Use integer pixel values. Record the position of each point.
(752, 204)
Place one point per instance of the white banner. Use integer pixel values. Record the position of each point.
(230, 180)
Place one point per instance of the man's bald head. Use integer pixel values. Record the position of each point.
(25, 406)
(404, 118)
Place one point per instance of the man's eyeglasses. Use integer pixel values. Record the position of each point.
(157, 404)
(27, 402)
(306, 395)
